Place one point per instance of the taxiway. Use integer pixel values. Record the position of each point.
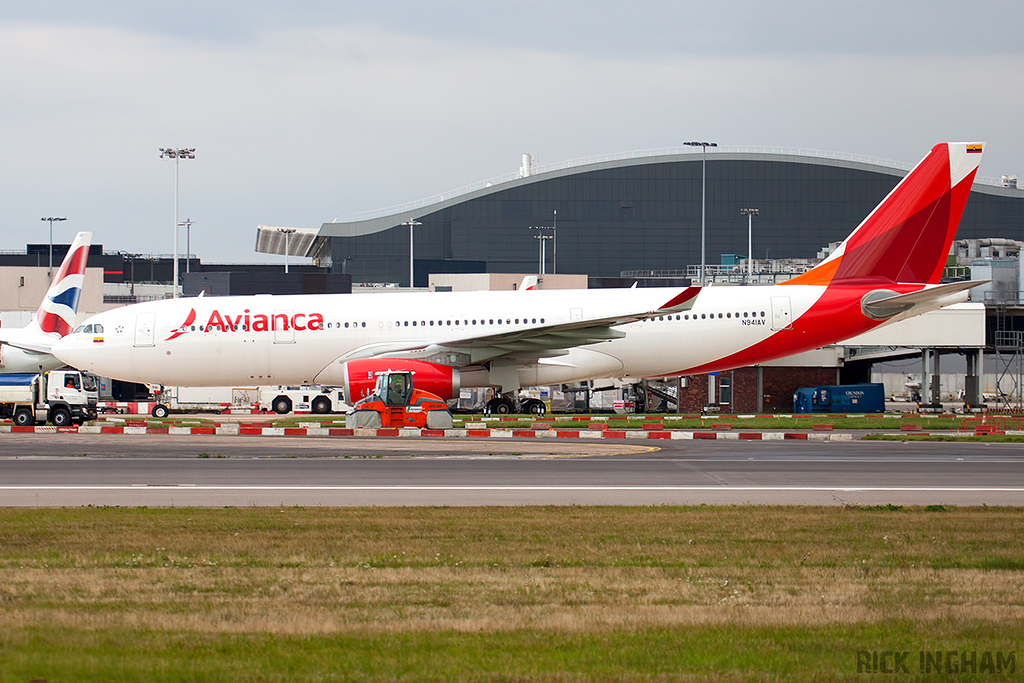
(74, 470)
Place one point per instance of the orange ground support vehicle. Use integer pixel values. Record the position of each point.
(395, 402)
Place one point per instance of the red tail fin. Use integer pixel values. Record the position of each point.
(907, 237)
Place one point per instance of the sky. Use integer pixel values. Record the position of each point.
(301, 112)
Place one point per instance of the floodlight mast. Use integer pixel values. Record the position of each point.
(412, 223)
(176, 153)
(51, 219)
(703, 182)
(287, 232)
(542, 255)
(554, 244)
(188, 223)
(750, 213)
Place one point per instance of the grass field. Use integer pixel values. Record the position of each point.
(495, 594)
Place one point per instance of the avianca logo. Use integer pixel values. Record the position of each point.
(255, 322)
(191, 318)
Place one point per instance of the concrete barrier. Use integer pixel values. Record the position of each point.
(314, 429)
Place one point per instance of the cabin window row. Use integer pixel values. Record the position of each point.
(705, 316)
(468, 323)
(352, 325)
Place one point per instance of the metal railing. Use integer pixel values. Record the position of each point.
(1005, 298)
(1009, 339)
(130, 298)
(769, 267)
(655, 273)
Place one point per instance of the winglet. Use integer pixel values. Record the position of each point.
(907, 237)
(529, 282)
(681, 302)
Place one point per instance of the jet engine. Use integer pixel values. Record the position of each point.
(360, 376)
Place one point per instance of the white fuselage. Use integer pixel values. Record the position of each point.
(232, 340)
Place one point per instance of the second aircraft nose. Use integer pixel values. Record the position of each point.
(68, 350)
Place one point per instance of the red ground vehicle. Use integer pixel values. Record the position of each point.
(395, 402)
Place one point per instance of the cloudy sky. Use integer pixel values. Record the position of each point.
(304, 111)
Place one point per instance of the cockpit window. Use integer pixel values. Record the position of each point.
(88, 329)
(97, 329)
(78, 329)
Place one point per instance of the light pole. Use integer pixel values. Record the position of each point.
(51, 219)
(188, 243)
(131, 283)
(287, 233)
(542, 237)
(750, 213)
(176, 154)
(703, 181)
(412, 223)
(554, 244)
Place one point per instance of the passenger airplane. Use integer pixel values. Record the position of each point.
(886, 270)
(27, 349)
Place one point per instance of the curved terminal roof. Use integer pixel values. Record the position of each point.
(315, 243)
(273, 239)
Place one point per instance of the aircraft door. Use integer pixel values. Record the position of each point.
(145, 326)
(782, 314)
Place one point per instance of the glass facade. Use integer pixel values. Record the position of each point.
(646, 215)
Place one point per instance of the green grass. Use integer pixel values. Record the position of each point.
(858, 422)
(496, 594)
(679, 654)
(989, 438)
(703, 536)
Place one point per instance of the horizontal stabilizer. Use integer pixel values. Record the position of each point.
(33, 347)
(882, 304)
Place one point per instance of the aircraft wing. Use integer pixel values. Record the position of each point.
(534, 342)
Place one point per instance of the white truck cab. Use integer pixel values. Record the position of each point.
(61, 397)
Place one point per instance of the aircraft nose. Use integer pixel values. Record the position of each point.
(68, 351)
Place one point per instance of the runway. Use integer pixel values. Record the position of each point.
(75, 470)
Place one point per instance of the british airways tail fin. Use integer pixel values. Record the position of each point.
(906, 239)
(57, 313)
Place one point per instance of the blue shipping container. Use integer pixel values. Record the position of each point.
(844, 398)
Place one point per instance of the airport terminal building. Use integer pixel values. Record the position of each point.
(634, 212)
